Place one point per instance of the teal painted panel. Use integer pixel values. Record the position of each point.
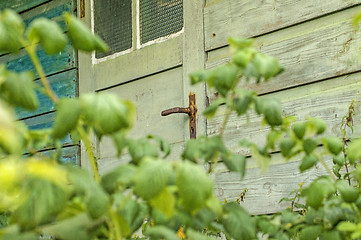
(43, 122)
(53, 10)
(20, 5)
(51, 64)
(63, 84)
(70, 155)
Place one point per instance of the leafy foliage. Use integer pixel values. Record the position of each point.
(166, 199)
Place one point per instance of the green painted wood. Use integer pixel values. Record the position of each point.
(250, 18)
(20, 5)
(43, 122)
(70, 155)
(52, 10)
(65, 60)
(64, 85)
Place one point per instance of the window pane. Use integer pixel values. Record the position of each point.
(159, 18)
(113, 23)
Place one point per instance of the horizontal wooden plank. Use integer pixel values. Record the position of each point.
(328, 100)
(20, 5)
(312, 51)
(139, 63)
(43, 122)
(65, 60)
(70, 155)
(225, 18)
(64, 85)
(152, 95)
(53, 10)
(264, 190)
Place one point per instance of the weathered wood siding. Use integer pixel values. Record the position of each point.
(316, 44)
(61, 69)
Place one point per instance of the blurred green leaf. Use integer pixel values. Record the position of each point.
(120, 176)
(67, 115)
(48, 33)
(235, 162)
(195, 186)
(151, 177)
(225, 78)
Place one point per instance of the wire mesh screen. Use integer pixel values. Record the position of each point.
(113, 23)
(159, 18)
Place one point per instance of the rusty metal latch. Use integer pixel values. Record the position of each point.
(191, 110)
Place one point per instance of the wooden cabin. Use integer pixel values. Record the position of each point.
(156, 44)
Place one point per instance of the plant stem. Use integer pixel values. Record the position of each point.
(113, 216)
(30, 49)
(89, 150)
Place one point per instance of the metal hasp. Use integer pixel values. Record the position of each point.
(191, 110)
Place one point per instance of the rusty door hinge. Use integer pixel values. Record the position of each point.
(191, 110)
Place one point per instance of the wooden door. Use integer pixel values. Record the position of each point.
(151, 73)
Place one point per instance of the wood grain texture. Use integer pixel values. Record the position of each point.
(64, 85)
(328, 100)
(43, 122)
(139, 63)
(316, 50)
(65, 60)
(151, 95)
(249, 18)
(264, 190)
(20, 5)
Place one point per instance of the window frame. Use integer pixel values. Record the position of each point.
(136, 39)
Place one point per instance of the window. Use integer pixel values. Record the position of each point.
(115, 20)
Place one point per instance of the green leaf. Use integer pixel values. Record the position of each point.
(11, 31)
(206, 148)
(48, 33)
(42, 201)
(96, 199)
(81, 37)
(299, 129)
(121, 176)
(120, 141)
(331, 235)
(259, 105)
(141, 148)
(318, 190)
(225, 78)
(210, 111)
(272, 112)
(195, 186)
(333, 144)
(238, 223)
(242, 103)
(67, 115)
(349, 194)
(318, 124)
(164, 145)
(76, 228)
(354, 151)
(266, 226)
(267, 66)
(18, 89)
(151, 177)
(356, 19)
(164, 202)
(240, 43)
(286, 145)
(309, 145)
(235, 162)
(161, 232)
(263, 160)
(310, 232)
(243, 57)
(200, 76)
(307, 162)
(339, 160)
(13, 232)
(346, 227)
